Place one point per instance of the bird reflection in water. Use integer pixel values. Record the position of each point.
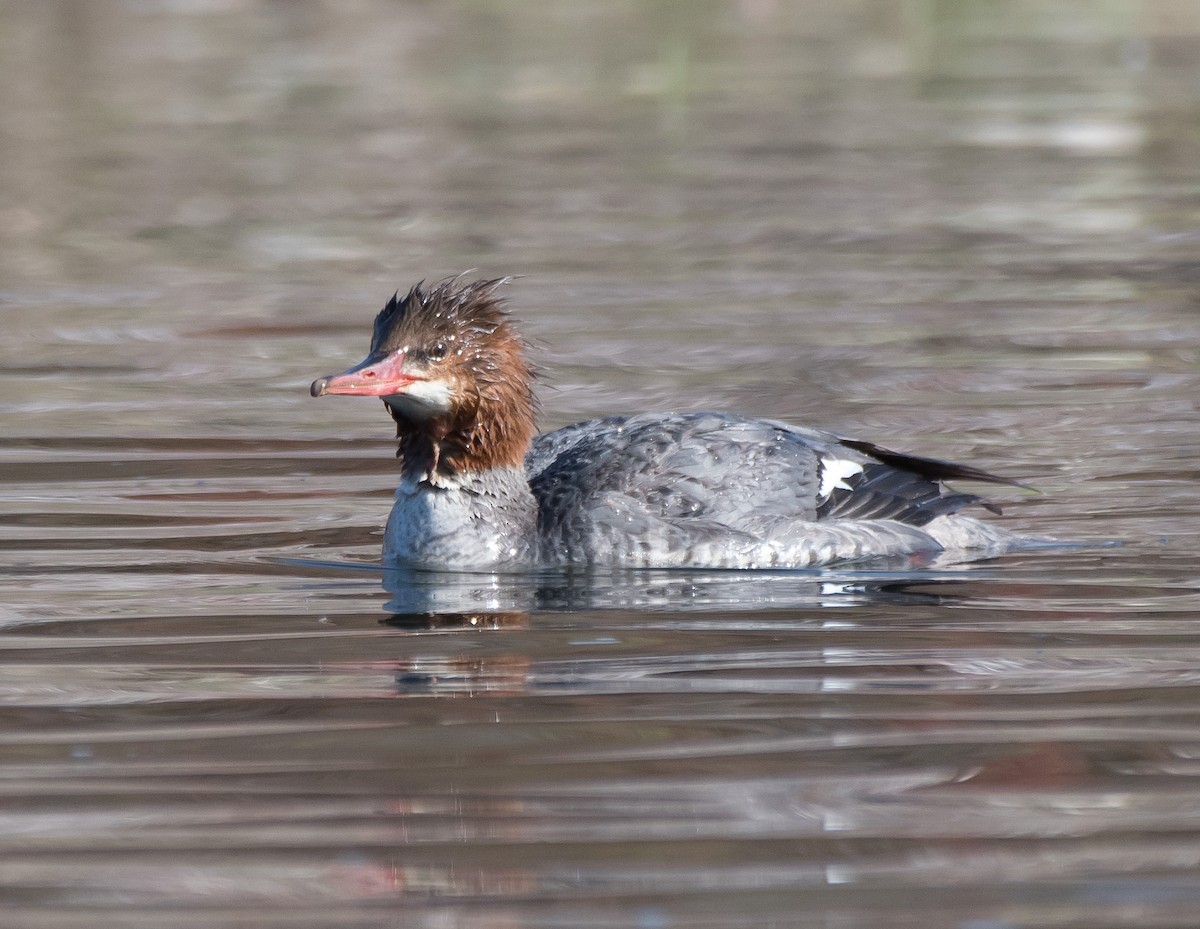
(427, 602)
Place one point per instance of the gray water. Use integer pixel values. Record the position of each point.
(963, 230)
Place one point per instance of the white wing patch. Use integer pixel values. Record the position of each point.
(834, 472)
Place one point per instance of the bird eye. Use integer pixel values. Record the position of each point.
(438, 352)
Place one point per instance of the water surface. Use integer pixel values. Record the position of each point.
(958, 231)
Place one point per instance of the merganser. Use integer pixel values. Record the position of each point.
(479, 490)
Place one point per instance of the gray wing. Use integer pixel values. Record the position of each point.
(735, 474)
(702, 467)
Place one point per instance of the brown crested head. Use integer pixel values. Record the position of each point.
(453, 373)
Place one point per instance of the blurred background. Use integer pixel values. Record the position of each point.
(959, 228)
(716, 195)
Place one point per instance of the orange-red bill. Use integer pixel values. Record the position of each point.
(375, 376)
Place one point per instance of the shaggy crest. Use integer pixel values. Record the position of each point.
(444, 310)
(491, 422)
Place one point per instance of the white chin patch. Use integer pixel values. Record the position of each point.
(422, 399)
(834, 472)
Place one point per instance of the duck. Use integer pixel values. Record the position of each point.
(481, 490)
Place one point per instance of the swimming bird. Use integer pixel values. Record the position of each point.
(479, 489)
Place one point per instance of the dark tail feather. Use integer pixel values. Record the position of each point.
(930, 468)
